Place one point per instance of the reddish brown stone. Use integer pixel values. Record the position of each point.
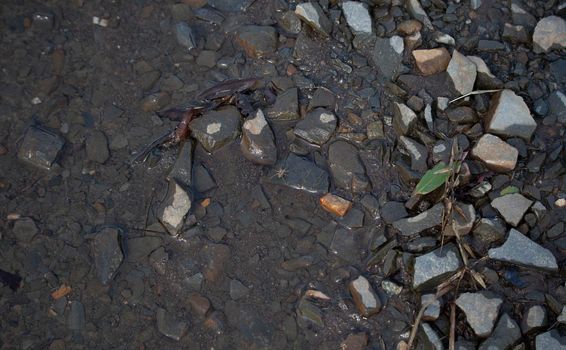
(495, 153)
(431, 61)
(335, 205)
(199, 304)
(409, 27)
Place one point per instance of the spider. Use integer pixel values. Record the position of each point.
(280, 173)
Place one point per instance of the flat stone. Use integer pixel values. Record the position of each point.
(366, 300)
(404, 119)
(387, 56)
(521, 16)
(217, 128)
(40, 147)
(357, 16)
(238, 290)
(335, 204)
(489, 231)
(301, 174)
(317, 127)
(206, 58)
(322, 97)
(313, 15)
(353, 219)
(344, 245)
(258, 142)
(25, 229)
(432, 268)
(355, 341)
(417, 12)
(462, 115)
(462, 220)
(519, 249)
(286, 106)
(557, 106)
(257, 41)
(417, 152)
(209, 14)
(431, 61)
(424, 221)
(509, 116)
(393, 211)
(534, 319)
(182, 171)
(139, 248)
(107, 255)
(310, 313)
(550, 341)
(484, 79)
(173, 209)
(481, 309)
(216, 257)
(432, 311)
(512, 207)
(203, 181)
(462, 73)
(549, 34)
(301, 262)
(169, 326)
(345, 165)
(495, 153)
(562, 317)
(506, 334)
(76, 318)
(185, 35)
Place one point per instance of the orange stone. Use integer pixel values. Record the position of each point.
(334, 204)
(431, 61)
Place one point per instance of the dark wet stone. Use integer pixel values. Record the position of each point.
(289, 22)
(257, 41)
(509, 116)
(421, 244)
(217, 128)
(230, 5)
(387, 56)
(353, 219)
(25, 229)
(432, 268)
(199, 304)
(171, 83)
(558, 70)
(515, 34)
(146, 80)
(216, 257)
(550, 341)
(203, 181)
(76, 319)
(210, 15)
(489, 231)
(355, 341)
(238, 290)
(393, 211)
(366, 300)
(314, 16)
(249, 323)
(97, 147)
(344, 245)
(301, 174)
(430, 338)
(107, 254)
(512, 207)
(490, 45)
(557, 106)
(417, 152)
(182, 170)
(169, 326)
(206, 58)
(140, 247)
(555, 231)
(519, 249)
(424, 221)
(40, 147)
(484, 79)
(308, 312)
(322, 97)
(174, 207)
(404, 119)
(159, 260)
(371, 205)
(156, 102)
(462, 115)
(432, 311)
(317, 127)
(194, 282)
(534, 319)
(258, 142)
(286, 106)
(481, 309)
(345, 165)
(506, 334)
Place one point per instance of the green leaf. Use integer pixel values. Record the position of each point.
(434, 178)
(509, 190)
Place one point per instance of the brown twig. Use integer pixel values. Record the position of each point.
(452, 338)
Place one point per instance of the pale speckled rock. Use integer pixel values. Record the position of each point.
(506, 334)
(314, 16)
(258, 142)
(509, 116)
(462, 73)
(432, 311)
(431, 61)
(519, 249)
(366, 300)
(176, 205)
(481, 311)
(534, 319)
(550, 33)
(432, 268)
(357, 16)
(550, 341)
(430, 338)
(495, 153)
(512, 207)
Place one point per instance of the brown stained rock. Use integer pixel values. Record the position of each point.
(257, 41)
(199, 304)
(155, 102)
(495, 153)
(355, 341)
(431, 61)
(366, 300)
(335, 204)
(216, 256)
(409, 27)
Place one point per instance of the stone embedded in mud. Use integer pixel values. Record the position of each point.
(40, 147)
(509, 116)
(25, 229)
(317, 127)
(417, 152)
(182, 171)
(301, 174)
(485, 79)
(203, 181)
(295, 264)
(258, 142)
(96, 146)
(387, 56)
(314, 16)
(257, 41)
(107, 254)
(335, 204)
(506, 334)
(462, 218)
(345, 165)
(432, 268)
(169, 325)
(404, 119)
(424, 221)
(462, 73)
(344, 245)
(310, 313)
(216, 257)
(215, 129)
(515, 34)
(357, 16)
(139, 248)
(431, 61)
(481, 309)
(185, 35)
(286, 106)
(534, 318)
(512, 207)
(519, 249)
(355, 341)
(76, 318)
(173, 209)
(156, 102)
(495, 153)
(489, 231)
(238, 290)
(199, 304)
(549, 34)
(551, 340)
(322, 97)
(353, 219)
(366, 300)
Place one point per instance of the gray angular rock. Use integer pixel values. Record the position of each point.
(557, 106)
(432, 268)
(515, 34)
(40, 147)
(562, 317)
(203, 181)
(216, 257)
(417, 152)
(174, 207)
(462, 73)
(462, 115)
(216, 129)
(387, 56)
(393, 211)
(509, 116)
(286, 106)
(534, 318)
(107, 255)
(322, 97)
(139, 248)
(357, 16)
(301, 174)
(495, 153)
(344, 245)
(549, 34)
(481, 309)
(432, 311)
(290, 22)
(484, 79)
(238, 290)
(25, 229)
(506, 334)
(310, 313)
(417, 12)
(366, 300)
(169, 326)
(185, 35)
(550, 341)
(519, 249)
(258, 142)
(512, 207)
(404, 119)
(257, 41)
(345, 165)
(317, 127)
(430, 338)
(314, 16)
(424, 221)
(182, 171)
(76, 318)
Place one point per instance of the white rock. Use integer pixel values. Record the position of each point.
(357, 16)
(550, 33)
